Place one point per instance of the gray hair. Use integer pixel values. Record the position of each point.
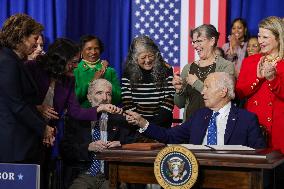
(225, 80)
(141, 44)
(98, 83)
(209, 31)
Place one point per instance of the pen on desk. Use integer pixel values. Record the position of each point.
(211, 148)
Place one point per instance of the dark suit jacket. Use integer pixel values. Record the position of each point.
(21, 126)
(77, 136)
(242, 129)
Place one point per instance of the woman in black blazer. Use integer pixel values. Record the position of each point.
(21, 127)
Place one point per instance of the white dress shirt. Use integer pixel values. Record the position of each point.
(221, 122)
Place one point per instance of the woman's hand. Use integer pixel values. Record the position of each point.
(101, 72)
(234, 43)
(47, 112)
(259, 70)
(97, 146)
(269, 71)
(109, 108)
(177, 82)
(191, 78)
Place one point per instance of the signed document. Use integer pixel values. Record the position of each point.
(216, 147)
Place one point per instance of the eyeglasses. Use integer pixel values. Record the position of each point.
(198, 42)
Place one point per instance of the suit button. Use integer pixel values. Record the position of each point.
(270, 104)
(251, 87)
(269, 84)
(269, 119)
(255, 102)
(254, 84)
(257, 80)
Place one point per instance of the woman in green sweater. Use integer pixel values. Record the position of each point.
(92, 67)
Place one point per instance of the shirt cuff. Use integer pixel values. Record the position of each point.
(142, 130)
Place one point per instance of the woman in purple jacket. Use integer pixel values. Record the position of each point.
(53, 74)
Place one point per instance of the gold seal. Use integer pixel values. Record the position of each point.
(176, 167)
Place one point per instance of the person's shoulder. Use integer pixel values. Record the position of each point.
(6, 53)
(223, 61)
(243, 113)
(201, 111)
(169, 69)
(253, 58)
(111, 69)
(226, 46)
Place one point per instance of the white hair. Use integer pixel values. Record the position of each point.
(98, 83)
(225, 80)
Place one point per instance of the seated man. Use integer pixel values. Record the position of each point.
(220, 123)
(83, 138)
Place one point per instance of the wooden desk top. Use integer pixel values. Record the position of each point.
(246, 159)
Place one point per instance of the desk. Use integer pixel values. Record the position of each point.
(217, 169)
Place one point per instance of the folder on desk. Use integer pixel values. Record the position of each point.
(142, 146)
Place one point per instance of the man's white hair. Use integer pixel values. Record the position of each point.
(225, 80)
(98, 83)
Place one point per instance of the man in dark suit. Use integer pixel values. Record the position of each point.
(78, 145)
(233, 126)
(21, 127)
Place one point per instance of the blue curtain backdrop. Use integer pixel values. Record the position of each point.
(253, 11)
(110, 19)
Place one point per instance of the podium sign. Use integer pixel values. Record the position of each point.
(19, 176)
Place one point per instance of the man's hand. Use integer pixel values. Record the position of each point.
(49, 136)
(112, 144)
(109, 108)
(135, 119)
(47, 112)
(97, 146)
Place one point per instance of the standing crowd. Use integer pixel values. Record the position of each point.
(67, 103)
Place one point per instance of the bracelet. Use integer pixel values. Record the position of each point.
(141, 130)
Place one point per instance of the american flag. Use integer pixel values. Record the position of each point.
(168, 23)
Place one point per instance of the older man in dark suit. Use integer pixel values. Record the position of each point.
(221, 123)
(83, 138)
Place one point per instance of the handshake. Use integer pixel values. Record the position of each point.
(131, 117)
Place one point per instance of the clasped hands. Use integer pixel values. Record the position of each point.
(49, 136)
(178, 82)
(101, 72)
(266, 69)
(99, 146)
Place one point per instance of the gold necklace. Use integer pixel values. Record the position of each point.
(266, 59)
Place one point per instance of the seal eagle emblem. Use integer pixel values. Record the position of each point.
(176, 167)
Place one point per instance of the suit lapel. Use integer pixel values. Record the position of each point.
(204, 125)
(231, 124)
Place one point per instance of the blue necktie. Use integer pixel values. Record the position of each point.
(95, 164)
(212, 130)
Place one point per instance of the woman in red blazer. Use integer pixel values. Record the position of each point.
(261, 81)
